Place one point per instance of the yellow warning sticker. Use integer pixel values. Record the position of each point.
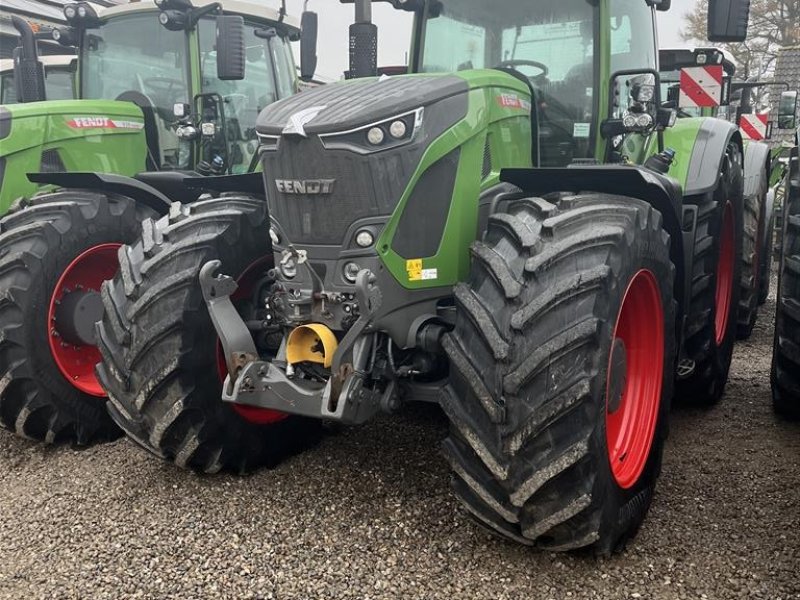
(414, 269)
(417, 273)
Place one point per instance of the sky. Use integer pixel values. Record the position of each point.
(394, 31)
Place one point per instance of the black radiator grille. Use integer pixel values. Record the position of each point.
(365, 186)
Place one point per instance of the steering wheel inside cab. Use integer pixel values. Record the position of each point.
(516, 63)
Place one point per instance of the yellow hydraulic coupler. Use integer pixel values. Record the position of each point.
(313, 343)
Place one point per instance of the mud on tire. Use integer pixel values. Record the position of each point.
(159, 346)
(529, 362)
(39, 239)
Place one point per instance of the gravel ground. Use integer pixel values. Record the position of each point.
(368, 514)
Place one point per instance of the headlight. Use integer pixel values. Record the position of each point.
(82, 12)
(398, 129)
(375, 136)
(644, 121)
(644, 93)
(390, 133)
(70, 12)
(364, 238)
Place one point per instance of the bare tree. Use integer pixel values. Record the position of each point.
(773, 24)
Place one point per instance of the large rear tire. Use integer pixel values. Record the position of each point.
(712, 312)
(160, 361)
(569, 298)
(785, 377)
(55, 251)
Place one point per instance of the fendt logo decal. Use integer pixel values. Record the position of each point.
(701, 87)
(754, 127)
(95, 122)
(513, 101)
(310, 187)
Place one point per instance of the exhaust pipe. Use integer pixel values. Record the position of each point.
(28, 69)
(363, 43)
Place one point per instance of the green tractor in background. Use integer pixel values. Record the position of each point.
(517, 230)
(762, 169)
(58, 70)
(164, 99)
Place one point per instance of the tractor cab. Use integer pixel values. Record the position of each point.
(558, 49)
(181, 64)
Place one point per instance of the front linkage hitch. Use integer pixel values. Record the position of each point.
(264, 384)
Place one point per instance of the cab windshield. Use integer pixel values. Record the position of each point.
(551, 43)
(269, 76)
(134, 55)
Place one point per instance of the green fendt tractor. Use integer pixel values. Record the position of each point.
(762, 169)
(164, 98)
(516, 230)
(786, 351)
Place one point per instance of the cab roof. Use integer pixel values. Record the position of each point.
(255, 10)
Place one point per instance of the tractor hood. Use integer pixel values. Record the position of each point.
(350, 105)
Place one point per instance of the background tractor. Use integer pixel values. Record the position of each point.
(164, 98)
(786, 352)
(516, 230)
(762, 167)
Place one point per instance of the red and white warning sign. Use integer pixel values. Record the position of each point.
(701, 87)
(754, 127)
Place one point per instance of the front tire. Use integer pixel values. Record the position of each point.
(53, 249)
(160, 362)
(537, 447)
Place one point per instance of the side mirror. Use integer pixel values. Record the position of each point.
(309, 23)
(230, 47)
(787, 110)
(727, 20)
(661, 5)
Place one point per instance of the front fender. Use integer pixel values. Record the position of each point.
(705, 163)
(107, 182)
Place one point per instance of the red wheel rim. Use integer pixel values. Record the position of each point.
(635, 375)
(86, 272)
(253, 414)
(725, 269)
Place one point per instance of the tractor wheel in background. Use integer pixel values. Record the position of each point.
(712, 311)
(751, 274)
(785, 376)
(55, 252)
(561, 363)
(766, 261)
(160, 352)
